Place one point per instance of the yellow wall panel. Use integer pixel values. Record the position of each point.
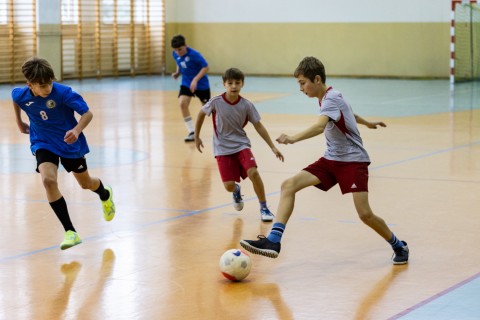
(411, 50)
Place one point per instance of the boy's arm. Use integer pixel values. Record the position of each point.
(72, 135)
(200, 74)
(22, 126)
(308, 133)
(176, 74)
(198, 127)
(262, 131)
(368, 124)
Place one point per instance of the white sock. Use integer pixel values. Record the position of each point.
(189, 123)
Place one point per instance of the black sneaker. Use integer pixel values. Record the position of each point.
(190, 137)
(262, 246)
(400, 255)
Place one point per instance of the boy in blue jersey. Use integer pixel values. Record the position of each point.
(193, 68)
(345, 162)
(56, 136)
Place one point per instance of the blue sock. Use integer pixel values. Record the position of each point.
(395, 242)
(277, 232)
(237, 188)
(263, 204)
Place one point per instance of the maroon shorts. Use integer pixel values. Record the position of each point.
(350, 176)
(232, 167)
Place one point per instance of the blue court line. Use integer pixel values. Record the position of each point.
(93, 203)
(428, 179)
(426, 155)
(408, 312)
(139, 227)
(26, 254)
(444, 315)
(191, 213)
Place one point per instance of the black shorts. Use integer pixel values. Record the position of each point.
(203, 95)
(77, 165)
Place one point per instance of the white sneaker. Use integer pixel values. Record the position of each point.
(266, 214)
(237, 199)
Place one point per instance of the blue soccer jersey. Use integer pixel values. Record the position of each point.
(190, 65)
(51, 118)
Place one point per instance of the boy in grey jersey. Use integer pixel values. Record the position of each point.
(230, 114)
(345, 162)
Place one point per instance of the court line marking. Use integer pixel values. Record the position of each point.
(195, 212)
(426, 155)
(191, 213)
(434, 297)
(131, 229)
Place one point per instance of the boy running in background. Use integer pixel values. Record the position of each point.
(193, 68)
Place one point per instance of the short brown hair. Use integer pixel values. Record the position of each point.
(178, 41)
(38, 70)
(233, 74)
(310, 67)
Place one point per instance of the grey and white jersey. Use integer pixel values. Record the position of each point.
(343, 138)
(229, 119)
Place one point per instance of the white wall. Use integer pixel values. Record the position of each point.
(212, 11)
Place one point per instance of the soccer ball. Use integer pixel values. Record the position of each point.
(235, 264)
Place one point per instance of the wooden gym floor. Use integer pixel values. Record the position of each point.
(158, 259)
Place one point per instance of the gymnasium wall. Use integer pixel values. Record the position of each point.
(368, 38)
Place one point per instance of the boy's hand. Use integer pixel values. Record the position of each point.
(24, 128)
(278, 153)
(175, 75)
(373, 125)
(199, 144)
(284, 139)
(193, 86)
(71, 136)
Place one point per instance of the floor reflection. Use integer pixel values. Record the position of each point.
(94, 302)
(233, 294)
(373, 298)
(60, 300)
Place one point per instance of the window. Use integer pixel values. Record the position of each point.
(3, 12)
(18, 37)
(112, 37)
(100, 38)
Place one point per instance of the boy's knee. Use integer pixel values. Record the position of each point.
(49, 182)
(253, 174)
(366, 216)
(229, 186)
(287, 185)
